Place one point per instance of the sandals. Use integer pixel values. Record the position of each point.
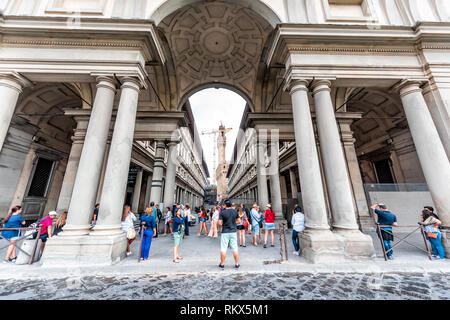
(176, 261)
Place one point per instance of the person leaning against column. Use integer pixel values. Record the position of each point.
(298, 225)
(127, 226)
(433, 234)
(147, 230)
(46, 231)
(178, 223)
(386, 218)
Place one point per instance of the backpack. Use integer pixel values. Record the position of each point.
(36, 225)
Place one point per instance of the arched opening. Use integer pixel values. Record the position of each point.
(215, 110)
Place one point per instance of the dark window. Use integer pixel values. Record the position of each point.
(384, 172)
(41, 178)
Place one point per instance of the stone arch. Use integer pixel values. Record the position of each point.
(258, 6)
(216, 43)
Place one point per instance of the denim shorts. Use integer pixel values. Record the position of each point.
(228, 240)
(255, 229)
(270, 226)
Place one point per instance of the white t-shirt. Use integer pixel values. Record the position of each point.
(129, 222)
(188, 213)
(298, 221)
(168, 217)
(216, 215)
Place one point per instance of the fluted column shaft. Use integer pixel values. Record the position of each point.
(89, 169)
(293, 178)
(117, 168)
(335, 168)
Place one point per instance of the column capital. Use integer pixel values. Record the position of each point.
(408, 86)
(14, 81)
(320, 85)
(297, 84)
(106, 82)
(131, 83)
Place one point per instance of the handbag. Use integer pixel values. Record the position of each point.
(432, 235)
(131, 234)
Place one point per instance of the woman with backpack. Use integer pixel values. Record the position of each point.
(433, 234)
(178, 226)
(269, 217)
(147, 230)
(127, 226)
(14, 220)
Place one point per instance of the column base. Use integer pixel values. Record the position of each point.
(84, 250)
(106, 230)
(75, 230)
(357, 246)
(321, 246)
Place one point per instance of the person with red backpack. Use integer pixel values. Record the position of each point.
(46, 228)
(269, 217)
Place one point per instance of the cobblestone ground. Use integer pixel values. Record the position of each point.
(280, 286)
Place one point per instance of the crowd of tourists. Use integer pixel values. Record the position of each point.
(233, 222)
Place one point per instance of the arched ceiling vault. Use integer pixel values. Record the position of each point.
(216, 43)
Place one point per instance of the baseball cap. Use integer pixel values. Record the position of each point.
(53, 213)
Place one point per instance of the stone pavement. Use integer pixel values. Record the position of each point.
(410, 276)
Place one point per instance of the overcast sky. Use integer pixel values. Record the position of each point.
(211, 107)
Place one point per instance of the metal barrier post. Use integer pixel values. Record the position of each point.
(426, 242)
(281, 242)
(285, 242)
(35, 246)
(381, 241)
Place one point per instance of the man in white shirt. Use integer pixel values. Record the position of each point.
(298, 224)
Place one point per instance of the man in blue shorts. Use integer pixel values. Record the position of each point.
(228, 219)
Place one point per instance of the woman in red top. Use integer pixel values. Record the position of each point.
(203, 217)
(269, 217)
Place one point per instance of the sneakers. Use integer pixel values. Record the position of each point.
(390, 257)
(295, 253)
(273, 246)
(237, 266)
(222, 267)
(129, 253)
(265, 246)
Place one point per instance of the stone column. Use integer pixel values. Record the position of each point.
(158, 172)
(117, 169)
(261, 174)
(317, 242)
(283, 186)
(148, 189)
(10, 89)
(137, 191)
(90, 166)
(308, 161)
(72, 164)
(169, 188)
(274, 177)
(293, 183)
(348, 140)
(335, 168)
(432, 156)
